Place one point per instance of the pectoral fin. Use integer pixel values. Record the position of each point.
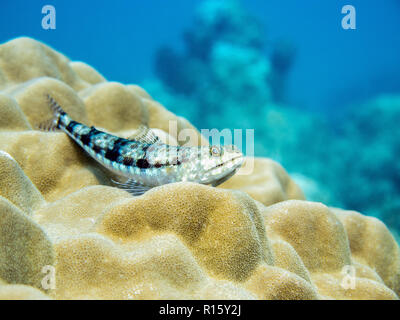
(219, 181)
(144, 135)
(132, 187)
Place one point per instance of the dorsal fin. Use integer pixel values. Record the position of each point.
(55, 107)
(52, 124)
(48, 125)
(145, 135)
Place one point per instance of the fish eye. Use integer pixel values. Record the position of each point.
(215, 151)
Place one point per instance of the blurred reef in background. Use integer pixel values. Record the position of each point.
(225, 79)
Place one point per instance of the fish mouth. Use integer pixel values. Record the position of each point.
(224, 163)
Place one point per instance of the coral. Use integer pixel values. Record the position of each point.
(268, 183)
(253, 237)
(281, 61)
(21, 292)
(373, 132)
(222, 21)
(330, 240)
(225, 52)
(382, 255)
(24, 247)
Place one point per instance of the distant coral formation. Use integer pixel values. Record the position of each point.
(230, 76)
(372, 128)
(225, 79)
(254, 237)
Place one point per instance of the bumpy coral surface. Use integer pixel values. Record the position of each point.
(254, 237)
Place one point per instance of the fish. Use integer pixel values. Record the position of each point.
(143, 159)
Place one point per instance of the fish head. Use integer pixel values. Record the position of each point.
(215, 164)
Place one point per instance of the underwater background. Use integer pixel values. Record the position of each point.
(324, 101)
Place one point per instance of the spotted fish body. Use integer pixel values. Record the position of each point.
(145, 160)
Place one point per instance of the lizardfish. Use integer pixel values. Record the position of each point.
(144, 160)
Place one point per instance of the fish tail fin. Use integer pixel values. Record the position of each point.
(55, 122)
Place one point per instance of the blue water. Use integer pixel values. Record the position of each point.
(333, 66)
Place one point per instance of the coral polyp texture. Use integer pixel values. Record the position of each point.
(253, 237)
